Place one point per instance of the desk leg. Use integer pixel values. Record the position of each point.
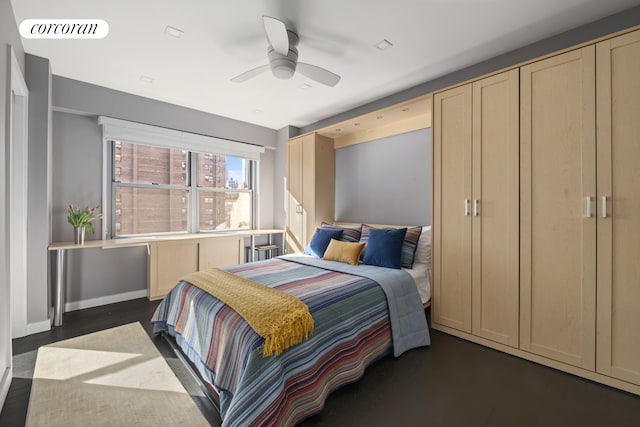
(284, 239)
(253, 248)
(58, 304)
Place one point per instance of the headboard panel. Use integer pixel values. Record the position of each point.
(385, 181)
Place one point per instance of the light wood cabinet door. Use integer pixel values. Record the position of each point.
(322, 183)
(309, 172)
(220, 252)
(557, 233)
(495, 207)
(451, 212)
(310, 188)
(618, 95)
(294, 194)
(168, 262)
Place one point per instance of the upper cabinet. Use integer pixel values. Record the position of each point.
(310, 188)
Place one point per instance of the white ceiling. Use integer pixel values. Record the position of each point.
(225, 38)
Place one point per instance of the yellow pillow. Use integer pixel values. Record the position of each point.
(347, 252)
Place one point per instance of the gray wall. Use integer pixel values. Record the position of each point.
(77, 170)
(38, 79)
(386, 181)
(77, 179)
(77, 174)
(86, 98)
(8, 36)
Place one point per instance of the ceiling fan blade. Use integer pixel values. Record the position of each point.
(276, 34)
(318, 74)
(250, 74)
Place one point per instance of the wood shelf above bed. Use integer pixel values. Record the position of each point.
(394, 120)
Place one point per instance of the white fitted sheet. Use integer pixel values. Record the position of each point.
(420, 274)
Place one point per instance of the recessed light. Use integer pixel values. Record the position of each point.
(147, 79)
(383, 44)
(305, 86)
(257, 111)
(173, 32)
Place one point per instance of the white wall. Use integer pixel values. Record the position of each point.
(8, 36)
(38, 78)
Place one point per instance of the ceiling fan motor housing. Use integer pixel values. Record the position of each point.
(284, 66)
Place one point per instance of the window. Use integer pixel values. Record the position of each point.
(171, 190)
(223, 204)
(159, 180)
(149, 189)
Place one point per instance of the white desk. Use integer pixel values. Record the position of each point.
(61, 248)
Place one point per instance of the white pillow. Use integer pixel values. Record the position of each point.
(423, 250)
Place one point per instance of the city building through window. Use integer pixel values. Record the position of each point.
(159, 189)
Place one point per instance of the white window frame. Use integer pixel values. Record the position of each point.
(114, 130)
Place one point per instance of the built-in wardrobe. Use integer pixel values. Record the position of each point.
(310, 188)
(536, 211)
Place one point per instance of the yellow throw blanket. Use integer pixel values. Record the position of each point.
(281, 319)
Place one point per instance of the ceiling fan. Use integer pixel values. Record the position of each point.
(283, 57)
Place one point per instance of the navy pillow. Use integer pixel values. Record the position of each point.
(384, 247)
(321, 240)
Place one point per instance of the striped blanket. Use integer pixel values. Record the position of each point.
(352, 330)
(281, 319)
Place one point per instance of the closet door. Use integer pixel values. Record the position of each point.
(618, 94)
(495, 207)
(294, 195)
(308, 189)
(452, 209)
(558, 227)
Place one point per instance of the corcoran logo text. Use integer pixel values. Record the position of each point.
(64, 29)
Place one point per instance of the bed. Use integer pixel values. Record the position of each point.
(361, 313)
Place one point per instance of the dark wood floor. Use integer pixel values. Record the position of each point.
(451, 383)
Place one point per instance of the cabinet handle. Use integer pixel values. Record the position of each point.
(475, 207)
(466, 207)
(588, 206)
(604, 206)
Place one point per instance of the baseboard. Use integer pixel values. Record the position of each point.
(5, 384)
(110, 299)
(34, 328)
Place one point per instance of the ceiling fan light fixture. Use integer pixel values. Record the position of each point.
(283, 68)
(282, 52)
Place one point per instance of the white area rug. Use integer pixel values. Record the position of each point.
(112, 378)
